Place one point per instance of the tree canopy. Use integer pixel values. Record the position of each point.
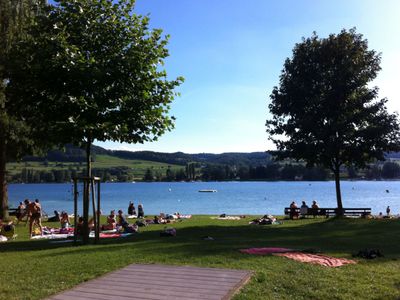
(16, 139)
(324, 110)
(94, 71)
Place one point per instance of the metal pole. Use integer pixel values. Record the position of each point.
(85, 229)
(94, 209)
(98, 211)
(75, 209)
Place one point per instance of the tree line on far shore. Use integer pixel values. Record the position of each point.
(211, 172)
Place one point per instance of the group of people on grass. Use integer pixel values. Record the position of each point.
(132, 210)
(31, 211)
(113, 222)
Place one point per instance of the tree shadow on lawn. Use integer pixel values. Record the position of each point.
(334, 236)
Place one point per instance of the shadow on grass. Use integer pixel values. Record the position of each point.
(334, 236)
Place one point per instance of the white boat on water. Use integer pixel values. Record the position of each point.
(207, 191)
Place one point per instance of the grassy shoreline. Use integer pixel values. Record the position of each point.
(36, 269)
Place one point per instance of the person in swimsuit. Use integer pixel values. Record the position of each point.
(64, 220)
(111, 222)
(34, 211)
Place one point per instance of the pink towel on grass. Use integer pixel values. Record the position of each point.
(322, 260)
(264, 251)
(109, 235)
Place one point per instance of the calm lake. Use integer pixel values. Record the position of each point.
(230, 198)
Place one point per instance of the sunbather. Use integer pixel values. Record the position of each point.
(79, 225)
(124, 224)
(111, 222)
(64, 220)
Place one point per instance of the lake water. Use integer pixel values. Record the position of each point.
(231, 198)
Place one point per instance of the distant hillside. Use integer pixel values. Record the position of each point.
(74, 154)
(126, 166)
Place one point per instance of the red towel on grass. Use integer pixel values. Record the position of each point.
(322, 260)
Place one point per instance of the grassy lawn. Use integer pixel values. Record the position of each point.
(36, 269)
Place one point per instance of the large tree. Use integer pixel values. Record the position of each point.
(15, 134)
(324, 110)
(93, 70)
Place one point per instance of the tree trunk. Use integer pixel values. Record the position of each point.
(338, 193)
(3, 181)
(88, 156)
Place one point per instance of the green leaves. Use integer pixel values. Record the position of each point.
(325, 107)
(98, 64)
(324, 112)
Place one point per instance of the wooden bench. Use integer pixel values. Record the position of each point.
(328, 212)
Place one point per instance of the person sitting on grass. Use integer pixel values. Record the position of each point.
(64, 220)
(7, 230)
(111, 222)
(131, 209)
(79, 225)
(140, 211)
(33, 210)
(124, 224)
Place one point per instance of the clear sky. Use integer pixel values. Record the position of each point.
(231, 53)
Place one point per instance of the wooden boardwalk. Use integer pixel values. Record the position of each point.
(151, 282)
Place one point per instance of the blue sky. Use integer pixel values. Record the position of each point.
(231, 54)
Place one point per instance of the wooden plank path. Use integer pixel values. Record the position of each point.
(151, 282)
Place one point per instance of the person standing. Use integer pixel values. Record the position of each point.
(388, 211)
(33, 210)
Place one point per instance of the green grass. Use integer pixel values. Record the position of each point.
(36, 269)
